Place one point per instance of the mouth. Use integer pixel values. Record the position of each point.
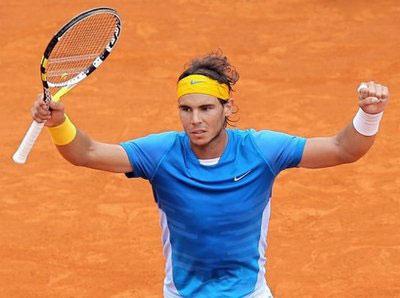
(198, 132)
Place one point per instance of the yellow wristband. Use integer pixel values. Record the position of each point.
(64, 133)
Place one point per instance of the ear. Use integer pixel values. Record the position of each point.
(228, 107)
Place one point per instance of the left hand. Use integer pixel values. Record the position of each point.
(372, 97)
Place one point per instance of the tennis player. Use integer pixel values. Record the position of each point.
(212, 184)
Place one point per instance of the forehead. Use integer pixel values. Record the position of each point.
(193, 100)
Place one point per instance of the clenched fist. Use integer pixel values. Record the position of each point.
(372, 97)
(52, 113)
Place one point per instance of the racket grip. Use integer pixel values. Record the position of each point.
(26, 145)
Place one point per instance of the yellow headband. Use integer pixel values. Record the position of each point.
(203, 85)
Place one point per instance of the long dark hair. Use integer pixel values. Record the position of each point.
(217, 67)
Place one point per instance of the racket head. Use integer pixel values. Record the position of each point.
(78, 49)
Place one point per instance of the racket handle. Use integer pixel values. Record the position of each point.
(26, 145)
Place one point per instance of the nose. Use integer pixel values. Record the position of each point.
(195, 117)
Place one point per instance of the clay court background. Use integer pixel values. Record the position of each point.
(74, 232)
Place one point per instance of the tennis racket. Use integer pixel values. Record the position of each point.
(77, 49)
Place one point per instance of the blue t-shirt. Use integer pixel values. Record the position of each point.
(213, 216)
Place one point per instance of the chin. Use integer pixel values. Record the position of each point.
(199, 141)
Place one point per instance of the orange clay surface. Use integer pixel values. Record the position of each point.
(74, 232)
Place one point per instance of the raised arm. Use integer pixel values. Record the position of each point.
(351, 143)
(79, 149)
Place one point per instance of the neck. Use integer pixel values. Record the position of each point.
(214, 148)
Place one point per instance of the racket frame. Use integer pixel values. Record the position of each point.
(21, 155)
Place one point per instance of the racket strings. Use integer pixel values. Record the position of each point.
(80, 46)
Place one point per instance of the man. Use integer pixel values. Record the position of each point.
(213, 185)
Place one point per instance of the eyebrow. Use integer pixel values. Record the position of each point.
(200, 106)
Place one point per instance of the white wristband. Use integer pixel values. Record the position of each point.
(367, 124)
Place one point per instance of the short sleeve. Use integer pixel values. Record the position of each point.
(280, 150)
(146, 153)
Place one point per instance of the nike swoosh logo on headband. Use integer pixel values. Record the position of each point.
(192, 82)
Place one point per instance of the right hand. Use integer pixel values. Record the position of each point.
(51, 113)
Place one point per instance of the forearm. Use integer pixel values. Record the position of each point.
(74, 145)
(347, 146)
(78, 151)
(352, 145)
(86, 152)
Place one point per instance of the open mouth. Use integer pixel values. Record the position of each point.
(198, 132)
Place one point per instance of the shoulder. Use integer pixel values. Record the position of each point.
(145, 153)
(153, 144)
(258, 135)
(280, 150)
(163, 138)
(240, 134)
(272, 137)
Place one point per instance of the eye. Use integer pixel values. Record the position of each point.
(184, 108)
(207, 108)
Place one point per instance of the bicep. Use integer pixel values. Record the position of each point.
(321, 153)
(108, 157)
